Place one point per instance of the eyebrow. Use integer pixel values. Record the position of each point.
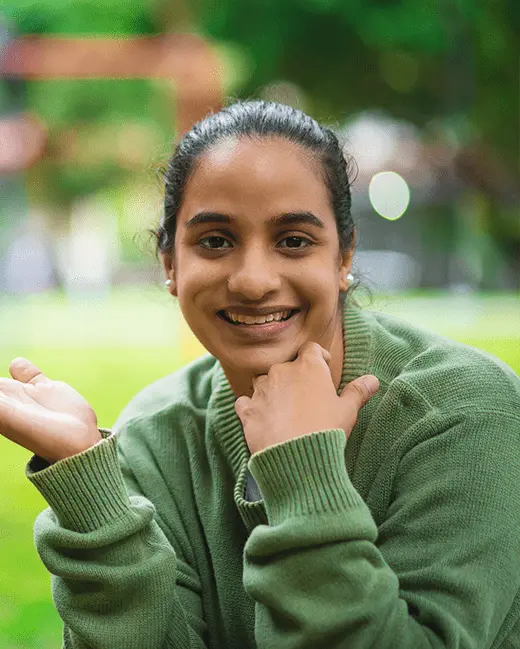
(288, 218)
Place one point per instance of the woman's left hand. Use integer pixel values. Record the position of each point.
(298, 397)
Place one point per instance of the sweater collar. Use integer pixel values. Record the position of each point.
(357, 343)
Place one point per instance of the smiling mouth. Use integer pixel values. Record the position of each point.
(224, 316)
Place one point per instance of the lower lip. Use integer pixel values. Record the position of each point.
(260, 331)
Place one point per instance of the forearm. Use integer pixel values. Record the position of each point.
(345, 597)
(317, 574)
(114, 574)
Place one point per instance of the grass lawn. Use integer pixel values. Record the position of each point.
(109, 350)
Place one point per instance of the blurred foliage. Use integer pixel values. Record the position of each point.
(83, 17)
(449, 66)
(101, 132)
(418, 60)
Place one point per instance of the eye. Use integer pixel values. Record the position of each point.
(214, 243)
(297, 243)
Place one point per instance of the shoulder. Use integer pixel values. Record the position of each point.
(184, 392)
(447, 375)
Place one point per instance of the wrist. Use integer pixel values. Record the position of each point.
(93, 438)
(305, 476)
(85, 491)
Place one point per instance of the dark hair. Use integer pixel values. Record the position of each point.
(257, 119)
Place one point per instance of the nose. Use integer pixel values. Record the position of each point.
(254, 276)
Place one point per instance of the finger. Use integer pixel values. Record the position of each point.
(314, 350)
(12, 389)
(361, 390)
(20, 426)
(327, 356)
(257, 380)
(24, 371)
(241, 405)
(9, 386)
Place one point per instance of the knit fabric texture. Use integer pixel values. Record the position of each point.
(406, 536)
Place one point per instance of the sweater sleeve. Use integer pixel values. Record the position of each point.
(116, 579)
(442, 571)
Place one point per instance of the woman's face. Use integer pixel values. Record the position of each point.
(256, 240)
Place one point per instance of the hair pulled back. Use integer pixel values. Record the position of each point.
(257, 119)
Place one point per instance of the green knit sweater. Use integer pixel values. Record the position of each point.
(406, 537)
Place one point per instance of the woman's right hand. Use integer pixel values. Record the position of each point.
(48, 418)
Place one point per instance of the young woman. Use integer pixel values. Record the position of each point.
(325, 477)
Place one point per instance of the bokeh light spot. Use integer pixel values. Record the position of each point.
(389, 194)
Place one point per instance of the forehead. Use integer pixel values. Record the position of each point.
(257, 178)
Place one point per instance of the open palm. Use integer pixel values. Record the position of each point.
(49, 418)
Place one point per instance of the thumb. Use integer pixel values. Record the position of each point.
(361, 390)
(24, 371)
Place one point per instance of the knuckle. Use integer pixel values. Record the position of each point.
(311, 346)
(242, 405)
(362, 390)
(311, 351)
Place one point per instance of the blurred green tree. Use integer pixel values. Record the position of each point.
(418, 60)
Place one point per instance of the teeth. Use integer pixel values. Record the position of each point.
(247, 319)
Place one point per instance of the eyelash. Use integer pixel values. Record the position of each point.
(308, 243)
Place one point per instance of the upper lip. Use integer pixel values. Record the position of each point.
(266, 310)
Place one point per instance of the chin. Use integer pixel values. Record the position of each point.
(260, 363)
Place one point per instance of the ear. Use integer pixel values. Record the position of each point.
(169, 272)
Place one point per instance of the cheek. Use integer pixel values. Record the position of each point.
(320, 285)
(196, 277)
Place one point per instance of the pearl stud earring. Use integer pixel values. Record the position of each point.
(167, 283)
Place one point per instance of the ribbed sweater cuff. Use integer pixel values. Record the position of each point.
(85, 491)
(305, 476)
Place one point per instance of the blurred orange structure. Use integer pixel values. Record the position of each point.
(22, 142)
(188, 61)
